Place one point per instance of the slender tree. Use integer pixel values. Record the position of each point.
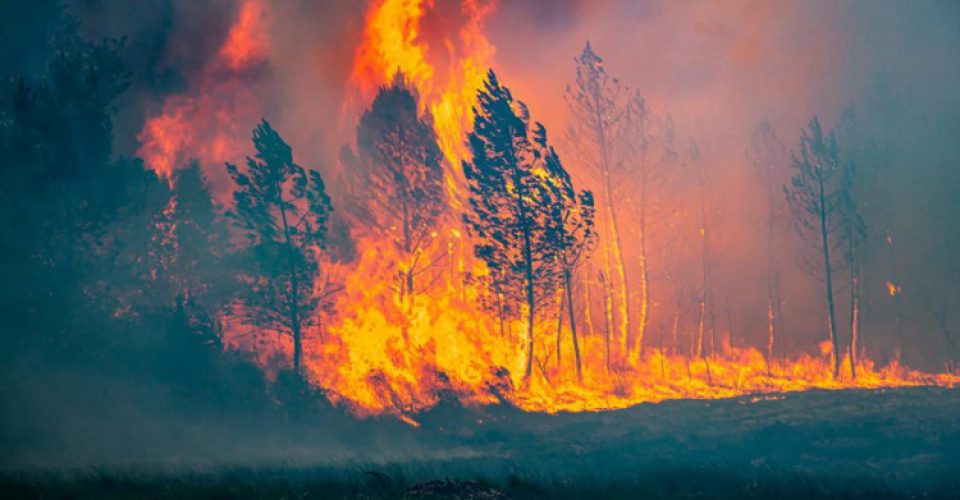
(768, 156)
(813, 194)
(651, 158)
(572, 235)
(852, 228)
(510, 202)
(598, 131)
(398, 149)
(705, 306)
(282, 211)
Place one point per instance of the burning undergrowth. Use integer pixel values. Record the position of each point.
(458, 249)
(418, 309)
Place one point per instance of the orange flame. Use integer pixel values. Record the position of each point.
(447, 70)
(207, 124)
(376, 354)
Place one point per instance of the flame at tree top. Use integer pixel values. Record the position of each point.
(447, 68)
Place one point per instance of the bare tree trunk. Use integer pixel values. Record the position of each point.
(573, 323)
(704, 268)
(780, 322)
(607, 314)
(587, 308)
(729, 323)
(828, 272)
(294, 296)
(622, 296)
(644, 272)
(854, 305)
(563, 299)
(771, 286)
(617, 247)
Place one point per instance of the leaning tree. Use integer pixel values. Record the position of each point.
(282, 210)
(510, 202)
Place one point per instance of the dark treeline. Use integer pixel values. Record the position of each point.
(113, 279)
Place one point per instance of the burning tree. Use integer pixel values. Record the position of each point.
(572, 225)
(649, 142)
(282, 211)
(768, 155)
(511, 180)
(815, 195)
(398, 149)
(598, 105)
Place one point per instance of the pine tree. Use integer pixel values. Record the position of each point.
(282, 211)
(399, 153)
(572, 234)
(510, 202)
(814, 197)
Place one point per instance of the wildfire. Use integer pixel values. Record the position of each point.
(212, 122)
(377, 354)
(446, 69)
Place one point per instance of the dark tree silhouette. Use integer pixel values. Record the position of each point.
(510, 201)
(399, 153)
(814, 195)
(60, 186)
(190, 247)
(572, 235)
(282, 211)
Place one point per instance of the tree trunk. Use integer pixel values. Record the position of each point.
(643, 262)
(563, 299)
(531, 297)
(294, 296)
(587, 315)
(573, 322)
(674, 348)
(617, 248)
(607, 318)
(771, 292)
(828, 272)
(854, 300)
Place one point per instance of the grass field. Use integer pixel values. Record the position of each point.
(844, 444)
